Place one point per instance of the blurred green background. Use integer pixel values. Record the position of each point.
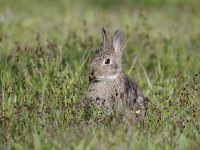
(155, 24)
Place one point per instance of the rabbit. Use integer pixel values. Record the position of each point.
(109, 87)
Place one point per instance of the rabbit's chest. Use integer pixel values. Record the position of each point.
(106, 93)
(103, 90)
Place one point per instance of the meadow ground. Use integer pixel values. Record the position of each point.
(46, 48)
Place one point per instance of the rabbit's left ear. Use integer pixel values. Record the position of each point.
(118, 41)
(106, 41)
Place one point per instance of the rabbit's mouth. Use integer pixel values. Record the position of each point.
(92, 79)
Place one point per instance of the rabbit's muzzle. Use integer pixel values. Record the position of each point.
(92, 78)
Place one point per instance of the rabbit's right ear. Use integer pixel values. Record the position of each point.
(118, 42)
(106, 41)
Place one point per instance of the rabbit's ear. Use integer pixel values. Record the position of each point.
(106, 41)
(118, 41)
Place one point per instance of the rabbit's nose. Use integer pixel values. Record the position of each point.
(91, 73)
(91, 77)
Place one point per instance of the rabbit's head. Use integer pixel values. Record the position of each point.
(107, 63)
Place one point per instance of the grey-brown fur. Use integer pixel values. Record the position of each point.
(109, 88)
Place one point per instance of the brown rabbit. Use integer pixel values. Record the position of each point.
(109, 87)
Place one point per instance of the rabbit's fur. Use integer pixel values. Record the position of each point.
(109, 87)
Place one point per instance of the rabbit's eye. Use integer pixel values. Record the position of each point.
(107, 61)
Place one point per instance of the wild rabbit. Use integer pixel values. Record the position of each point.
(109, 87)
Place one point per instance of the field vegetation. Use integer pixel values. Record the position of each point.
(46, 48)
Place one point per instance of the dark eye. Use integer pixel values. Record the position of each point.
(107, 61)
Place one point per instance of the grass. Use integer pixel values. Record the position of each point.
(46, 48)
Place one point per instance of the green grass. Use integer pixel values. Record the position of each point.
(46, 48)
